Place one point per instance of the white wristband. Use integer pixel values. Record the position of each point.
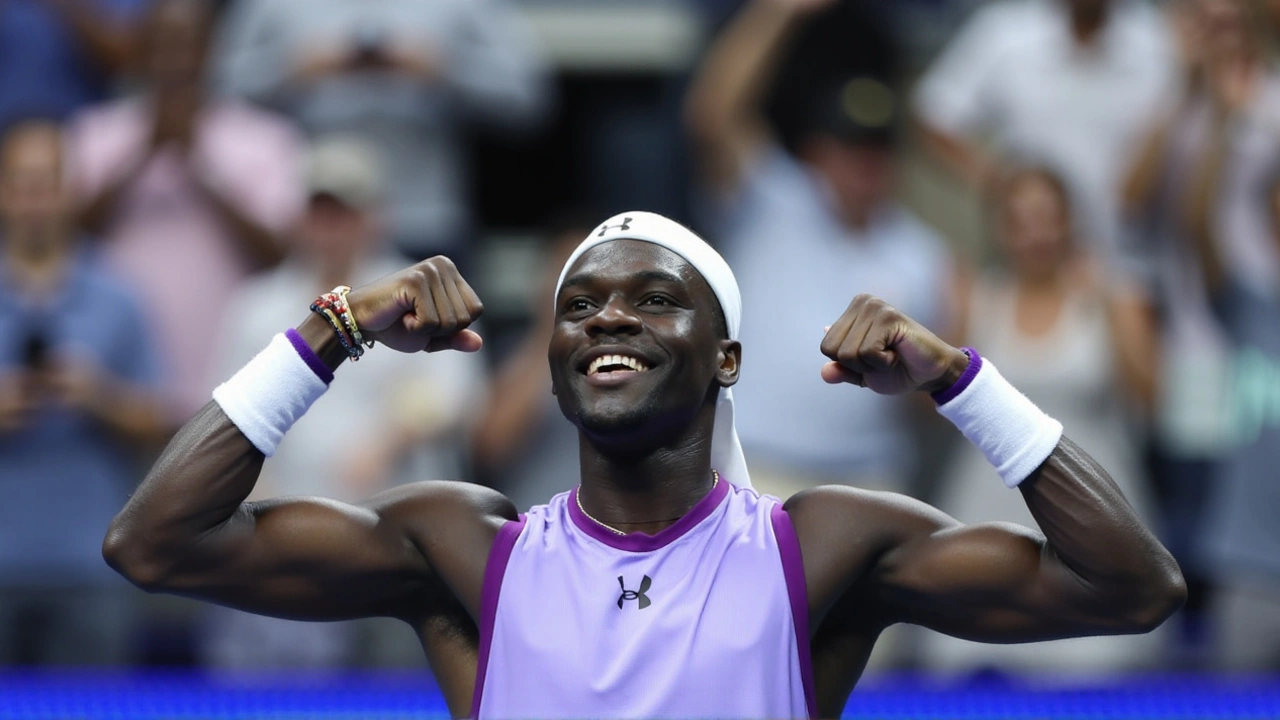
(1014, 434)
(268, 395)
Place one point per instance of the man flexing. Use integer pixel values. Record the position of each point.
(663, 586)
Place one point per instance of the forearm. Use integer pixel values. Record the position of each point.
(107, 42)
(134, 414)
(1139, 183)
(974, 166)
(195, 487)
(1135, 337)
(723, 107)
(260, 245)
(1125, 575)
(1204, 191)
(94, 216)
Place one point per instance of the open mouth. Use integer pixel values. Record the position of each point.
(610, 364)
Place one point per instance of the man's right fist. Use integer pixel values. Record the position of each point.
(426, 307)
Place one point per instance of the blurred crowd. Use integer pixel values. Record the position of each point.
(1087, 191)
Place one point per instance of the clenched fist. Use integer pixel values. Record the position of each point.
(875, 346)
(426, 307)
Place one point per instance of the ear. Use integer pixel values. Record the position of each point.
(730, 358)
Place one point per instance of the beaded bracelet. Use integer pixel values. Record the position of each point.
(348, 317)
(325, 307)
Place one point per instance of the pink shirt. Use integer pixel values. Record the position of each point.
(165, 238)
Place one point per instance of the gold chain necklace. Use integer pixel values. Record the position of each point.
(715, 479)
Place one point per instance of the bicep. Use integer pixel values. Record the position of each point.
(306, 559)
(993, 582)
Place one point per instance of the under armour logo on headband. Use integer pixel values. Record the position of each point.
(638, 595)
(625, 225)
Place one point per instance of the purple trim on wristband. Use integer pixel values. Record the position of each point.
(942, 397)
(309, 356)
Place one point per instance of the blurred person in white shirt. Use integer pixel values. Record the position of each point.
(1070, 84)
(403, 418)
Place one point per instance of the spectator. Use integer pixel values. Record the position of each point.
(57, 56)
(1051, 321)
(1234, 208)
(522, 446)
(412, 76)
(77, 400)
(339, 241)
(188, 195)
(1223, 77)
(1067, 83)
(803, 233)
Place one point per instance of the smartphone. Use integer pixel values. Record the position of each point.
(35, 350)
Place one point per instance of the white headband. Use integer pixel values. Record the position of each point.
(726, 451)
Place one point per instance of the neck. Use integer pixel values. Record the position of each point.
(330, 270)
(1087, 24)
(857, 219)
(647, 491)
(1048, 283)
(34, 270)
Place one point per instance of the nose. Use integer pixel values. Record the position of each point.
(616, 317)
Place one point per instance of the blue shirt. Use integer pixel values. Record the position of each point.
(65, 475)
(44, 70)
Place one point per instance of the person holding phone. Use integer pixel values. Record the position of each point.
(77, 371)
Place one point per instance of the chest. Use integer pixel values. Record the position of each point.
(585, 630)
(1075, 100)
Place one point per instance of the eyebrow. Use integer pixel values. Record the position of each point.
(654, 275)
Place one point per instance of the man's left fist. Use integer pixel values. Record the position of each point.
(875, 346)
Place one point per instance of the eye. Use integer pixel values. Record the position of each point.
(658, 300)
(577, 305)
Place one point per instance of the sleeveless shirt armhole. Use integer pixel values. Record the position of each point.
(793, 572)
(494, 570)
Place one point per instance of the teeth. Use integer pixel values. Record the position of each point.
(623, 360)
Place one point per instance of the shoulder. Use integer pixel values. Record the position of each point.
(1004, 24)
(847, 533)
(871, 515)
(444, 500)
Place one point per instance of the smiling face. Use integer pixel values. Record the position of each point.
(639, 344)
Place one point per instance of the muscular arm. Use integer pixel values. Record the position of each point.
(1095, 570)
(189, 530)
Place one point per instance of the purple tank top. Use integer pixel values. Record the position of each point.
(708, 618)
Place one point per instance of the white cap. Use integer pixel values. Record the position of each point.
(346, 167)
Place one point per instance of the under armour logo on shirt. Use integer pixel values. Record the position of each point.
(638, 595)
(624, 225)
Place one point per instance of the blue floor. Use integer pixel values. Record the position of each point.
(183, 696)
